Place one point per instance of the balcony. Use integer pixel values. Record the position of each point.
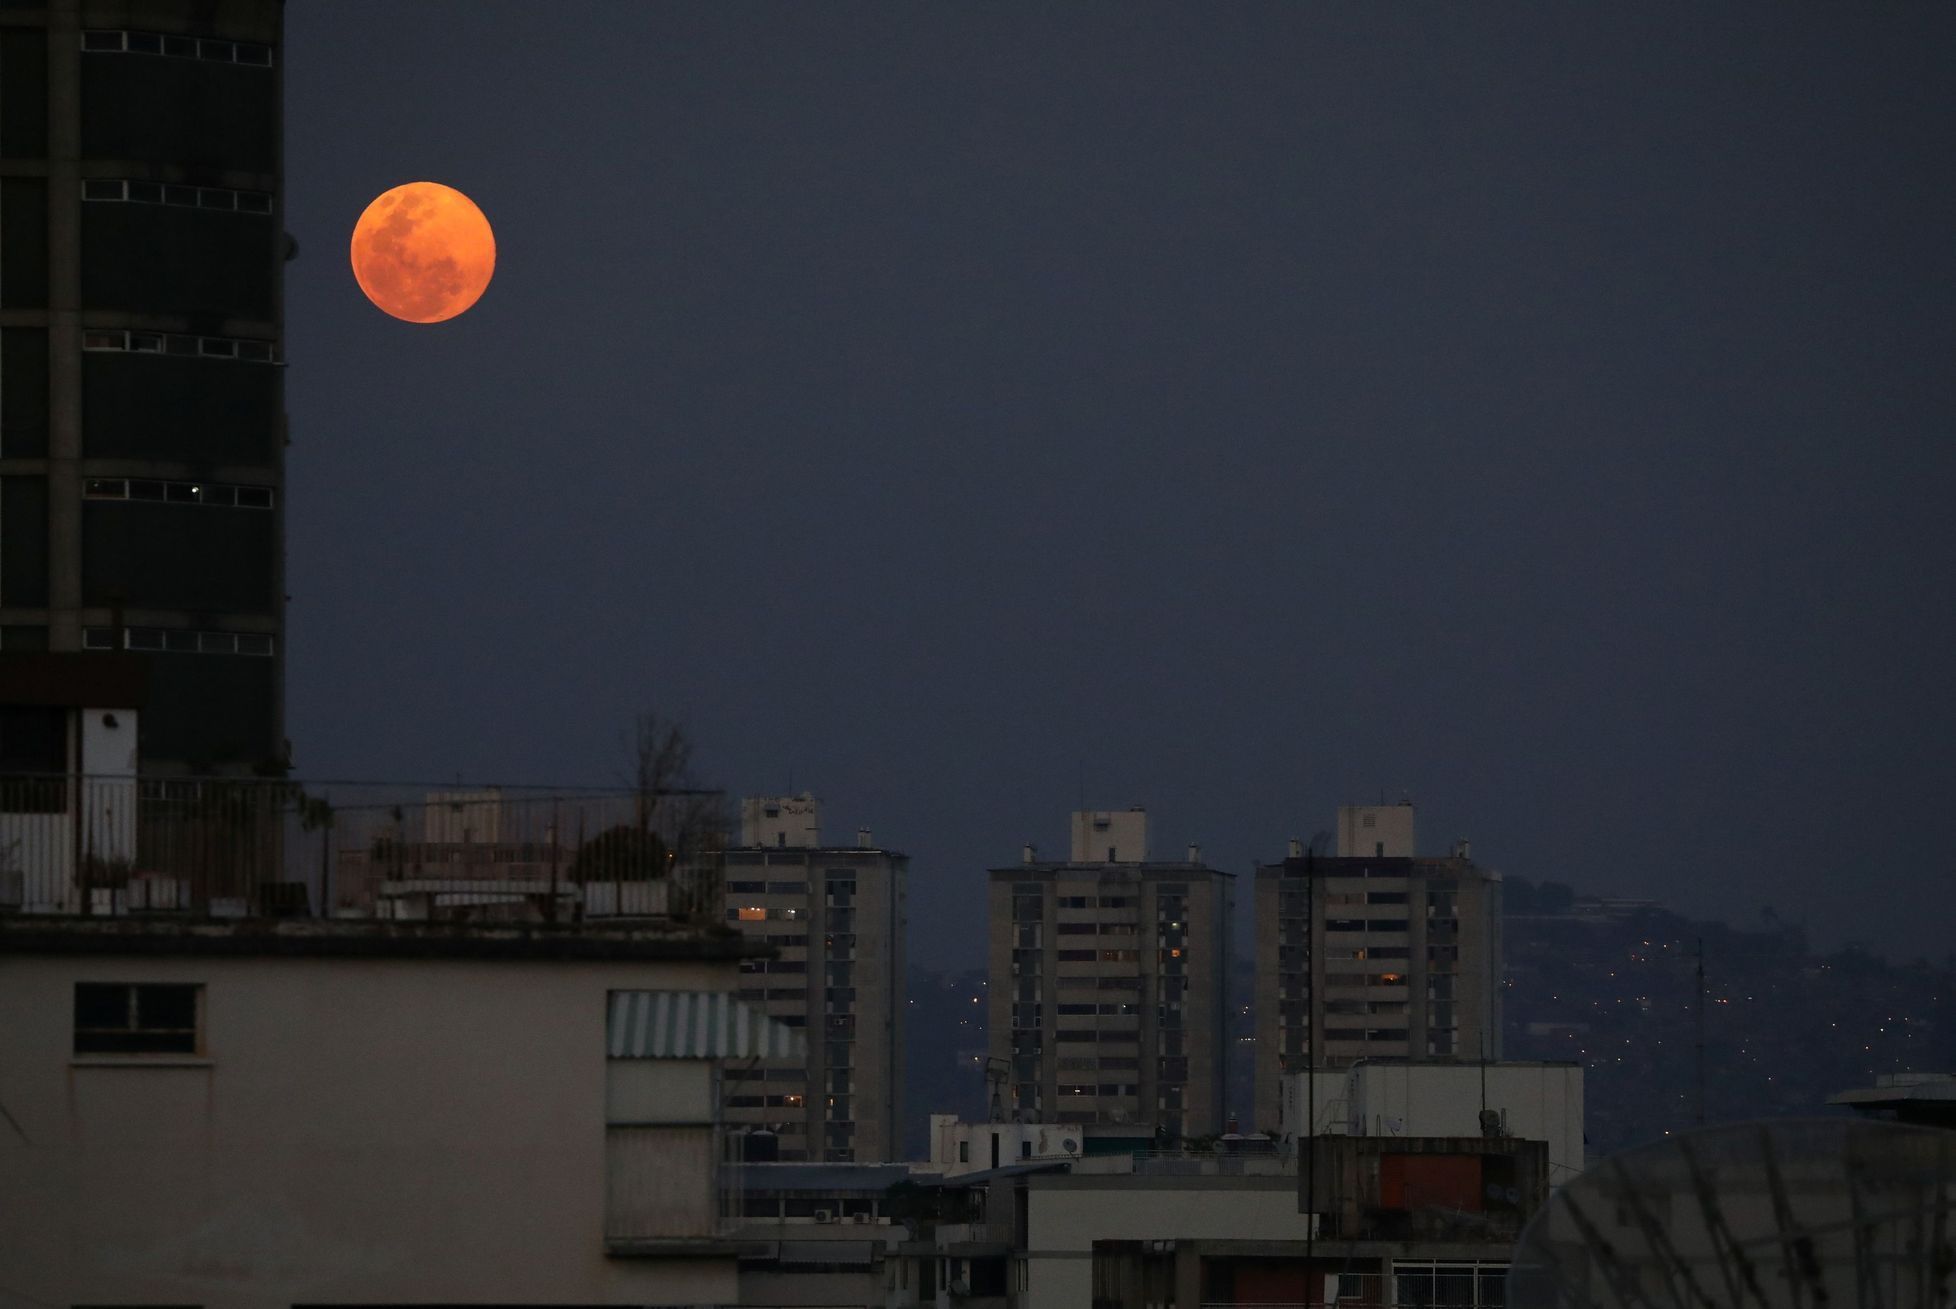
(215, 849)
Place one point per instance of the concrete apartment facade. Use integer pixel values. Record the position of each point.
(142, 421)
(247, 1113)
(1379, 951)
(1107, 976)
(834, 916)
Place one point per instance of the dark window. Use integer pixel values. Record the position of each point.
(169, 556)
(142, 404)
(176, 259)
(24, 404)
(198, 108)
(23, 243)
(119, 1018)
(24, 92)
(24, 560)
(34, 749)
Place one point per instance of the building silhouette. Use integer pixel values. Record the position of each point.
(1107, 975)
(142, 426)
(1379, 952)
(835, 917)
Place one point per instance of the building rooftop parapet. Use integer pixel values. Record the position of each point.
(194, 848)
(1116, 869)
(366, 938)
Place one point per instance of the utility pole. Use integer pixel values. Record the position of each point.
(1310, 1069)
(1701, 1031)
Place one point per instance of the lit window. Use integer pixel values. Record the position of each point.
(753, 914)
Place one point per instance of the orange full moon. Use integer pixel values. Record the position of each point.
(423, 252)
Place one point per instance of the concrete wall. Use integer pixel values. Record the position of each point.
(381, 1130)
(1017, 1143)
(1067, 1214)
(781, 821)
(1370, 831)
(1123, 831)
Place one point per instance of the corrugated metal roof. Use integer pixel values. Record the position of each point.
(694, 1025)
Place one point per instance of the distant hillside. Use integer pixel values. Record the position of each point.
(944, 1035)
(1613, 984)
(1609, 983)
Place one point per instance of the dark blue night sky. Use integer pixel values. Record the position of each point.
(1542, 411)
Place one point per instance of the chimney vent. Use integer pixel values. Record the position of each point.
(863, 841)
(1195, 853)
(1296, 848)
(1028, 853)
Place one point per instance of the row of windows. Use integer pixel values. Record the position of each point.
(774, 966)
(754, 913)
(1365, 925)
(175, 343)
(250, 53)
(768, 888)
(188, 493)
(111, 189)
(765, 1102)
(178, 641)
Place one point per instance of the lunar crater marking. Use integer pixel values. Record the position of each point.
(423, 252)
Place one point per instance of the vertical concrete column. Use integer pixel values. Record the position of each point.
(64, 325)
(1188, 1274)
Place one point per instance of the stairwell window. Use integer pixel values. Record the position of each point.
(138, 1018)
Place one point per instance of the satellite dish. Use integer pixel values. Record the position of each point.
(1070, 1145)
(1796, 1211)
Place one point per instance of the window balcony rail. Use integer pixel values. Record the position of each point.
(245, 848)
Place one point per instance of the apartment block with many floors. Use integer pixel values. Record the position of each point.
(1378, 951)
(835, 917)
(142, 418)
(1107, 975)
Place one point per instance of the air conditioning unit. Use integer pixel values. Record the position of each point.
(824, 1215)
(859, 1218)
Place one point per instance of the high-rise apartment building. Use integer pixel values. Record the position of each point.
(835, 916)
(1375, 951)
(1107, 977)
(142, 426)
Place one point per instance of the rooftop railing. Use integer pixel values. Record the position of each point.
(248, 848)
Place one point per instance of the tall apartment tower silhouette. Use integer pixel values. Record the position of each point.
(835, 916)
(1107, 975)
(142, 425)
(1373, 951)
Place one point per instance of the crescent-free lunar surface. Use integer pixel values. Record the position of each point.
(423, 252)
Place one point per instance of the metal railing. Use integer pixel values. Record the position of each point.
(248, 848)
